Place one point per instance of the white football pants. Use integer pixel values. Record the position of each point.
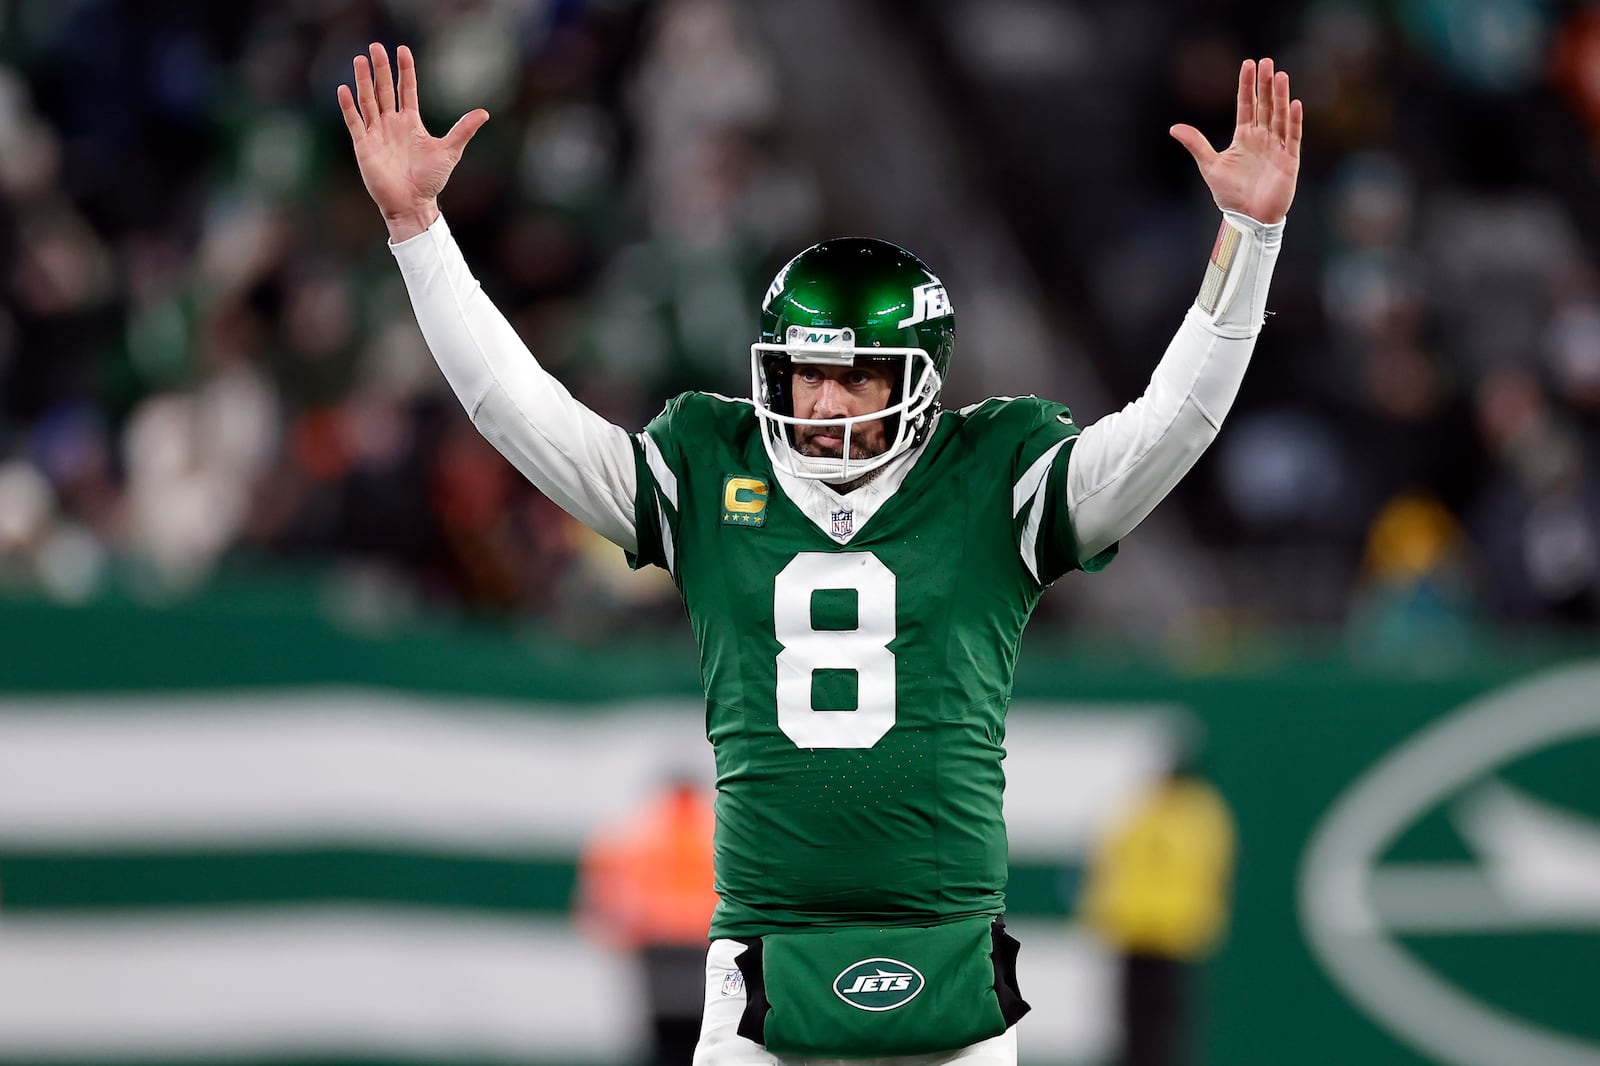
(721, 1045)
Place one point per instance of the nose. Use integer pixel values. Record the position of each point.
(830, 400)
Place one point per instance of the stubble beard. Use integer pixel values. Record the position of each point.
(860, 451)
(807, 444)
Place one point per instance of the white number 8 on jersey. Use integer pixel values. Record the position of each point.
(864, 649)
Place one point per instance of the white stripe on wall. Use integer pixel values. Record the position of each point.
(311, 981)
(1068, 776)
(329, 766)
(353, 981)
(325, 766)
(1070, 980)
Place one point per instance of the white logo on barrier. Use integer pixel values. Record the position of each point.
(1536, 870)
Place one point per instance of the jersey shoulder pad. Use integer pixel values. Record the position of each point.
(1016, 418)
(694, 419)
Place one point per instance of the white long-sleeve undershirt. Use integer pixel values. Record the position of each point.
(1126, 462)
(1119, 469)
(577, 458)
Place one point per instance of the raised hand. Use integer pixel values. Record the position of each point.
(1256, 175)
(402, 164)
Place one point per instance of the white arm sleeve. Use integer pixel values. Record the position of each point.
(1126, 463)
(575, 457)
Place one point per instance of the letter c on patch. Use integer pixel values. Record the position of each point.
(744, 495)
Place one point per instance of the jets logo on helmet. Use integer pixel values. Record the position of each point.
(777, 285)
(928, 301)
(852, 301)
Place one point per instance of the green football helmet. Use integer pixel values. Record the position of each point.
(846, 302)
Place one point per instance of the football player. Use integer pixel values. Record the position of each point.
(856, 682)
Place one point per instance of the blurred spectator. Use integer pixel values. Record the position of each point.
(1490, 44)
(1539, 515)
(1157, 893)
(1576, 64)
(1418, 601)
(232, 368)
(645, 885)
(207, 362)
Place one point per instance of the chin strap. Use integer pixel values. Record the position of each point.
(1233, 296)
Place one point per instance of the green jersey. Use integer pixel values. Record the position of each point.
(857, 652)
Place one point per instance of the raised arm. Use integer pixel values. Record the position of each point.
(581, 461)
(1125, 463)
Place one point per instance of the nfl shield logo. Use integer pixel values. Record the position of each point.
(844, 523)
(732, 983)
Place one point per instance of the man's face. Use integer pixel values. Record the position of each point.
(841, 392)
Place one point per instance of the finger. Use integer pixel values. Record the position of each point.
(408, 78)
(1246, 112)
(462, 132)
(1280, 106)
(1264, 93)
(1296, 122)
(384, 77)
(364, 94)
(1196, 143)
(352, 117)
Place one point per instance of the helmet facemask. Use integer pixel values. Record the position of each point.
(914, 400)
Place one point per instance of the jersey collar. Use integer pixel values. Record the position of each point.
(841, 516)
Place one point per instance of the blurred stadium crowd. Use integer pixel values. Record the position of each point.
(207, 360)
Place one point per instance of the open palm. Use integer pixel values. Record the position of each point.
(1256, 174)
(403, 166)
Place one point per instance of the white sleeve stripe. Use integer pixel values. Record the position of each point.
(657, 462)
(1030, 534)
(666, 541)
(1028, 484)
(1033, 486)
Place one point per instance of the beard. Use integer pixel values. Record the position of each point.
(866, 441)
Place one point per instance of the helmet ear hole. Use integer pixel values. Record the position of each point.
(777, 382)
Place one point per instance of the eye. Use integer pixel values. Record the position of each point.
(858, 379)
(810, 375)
